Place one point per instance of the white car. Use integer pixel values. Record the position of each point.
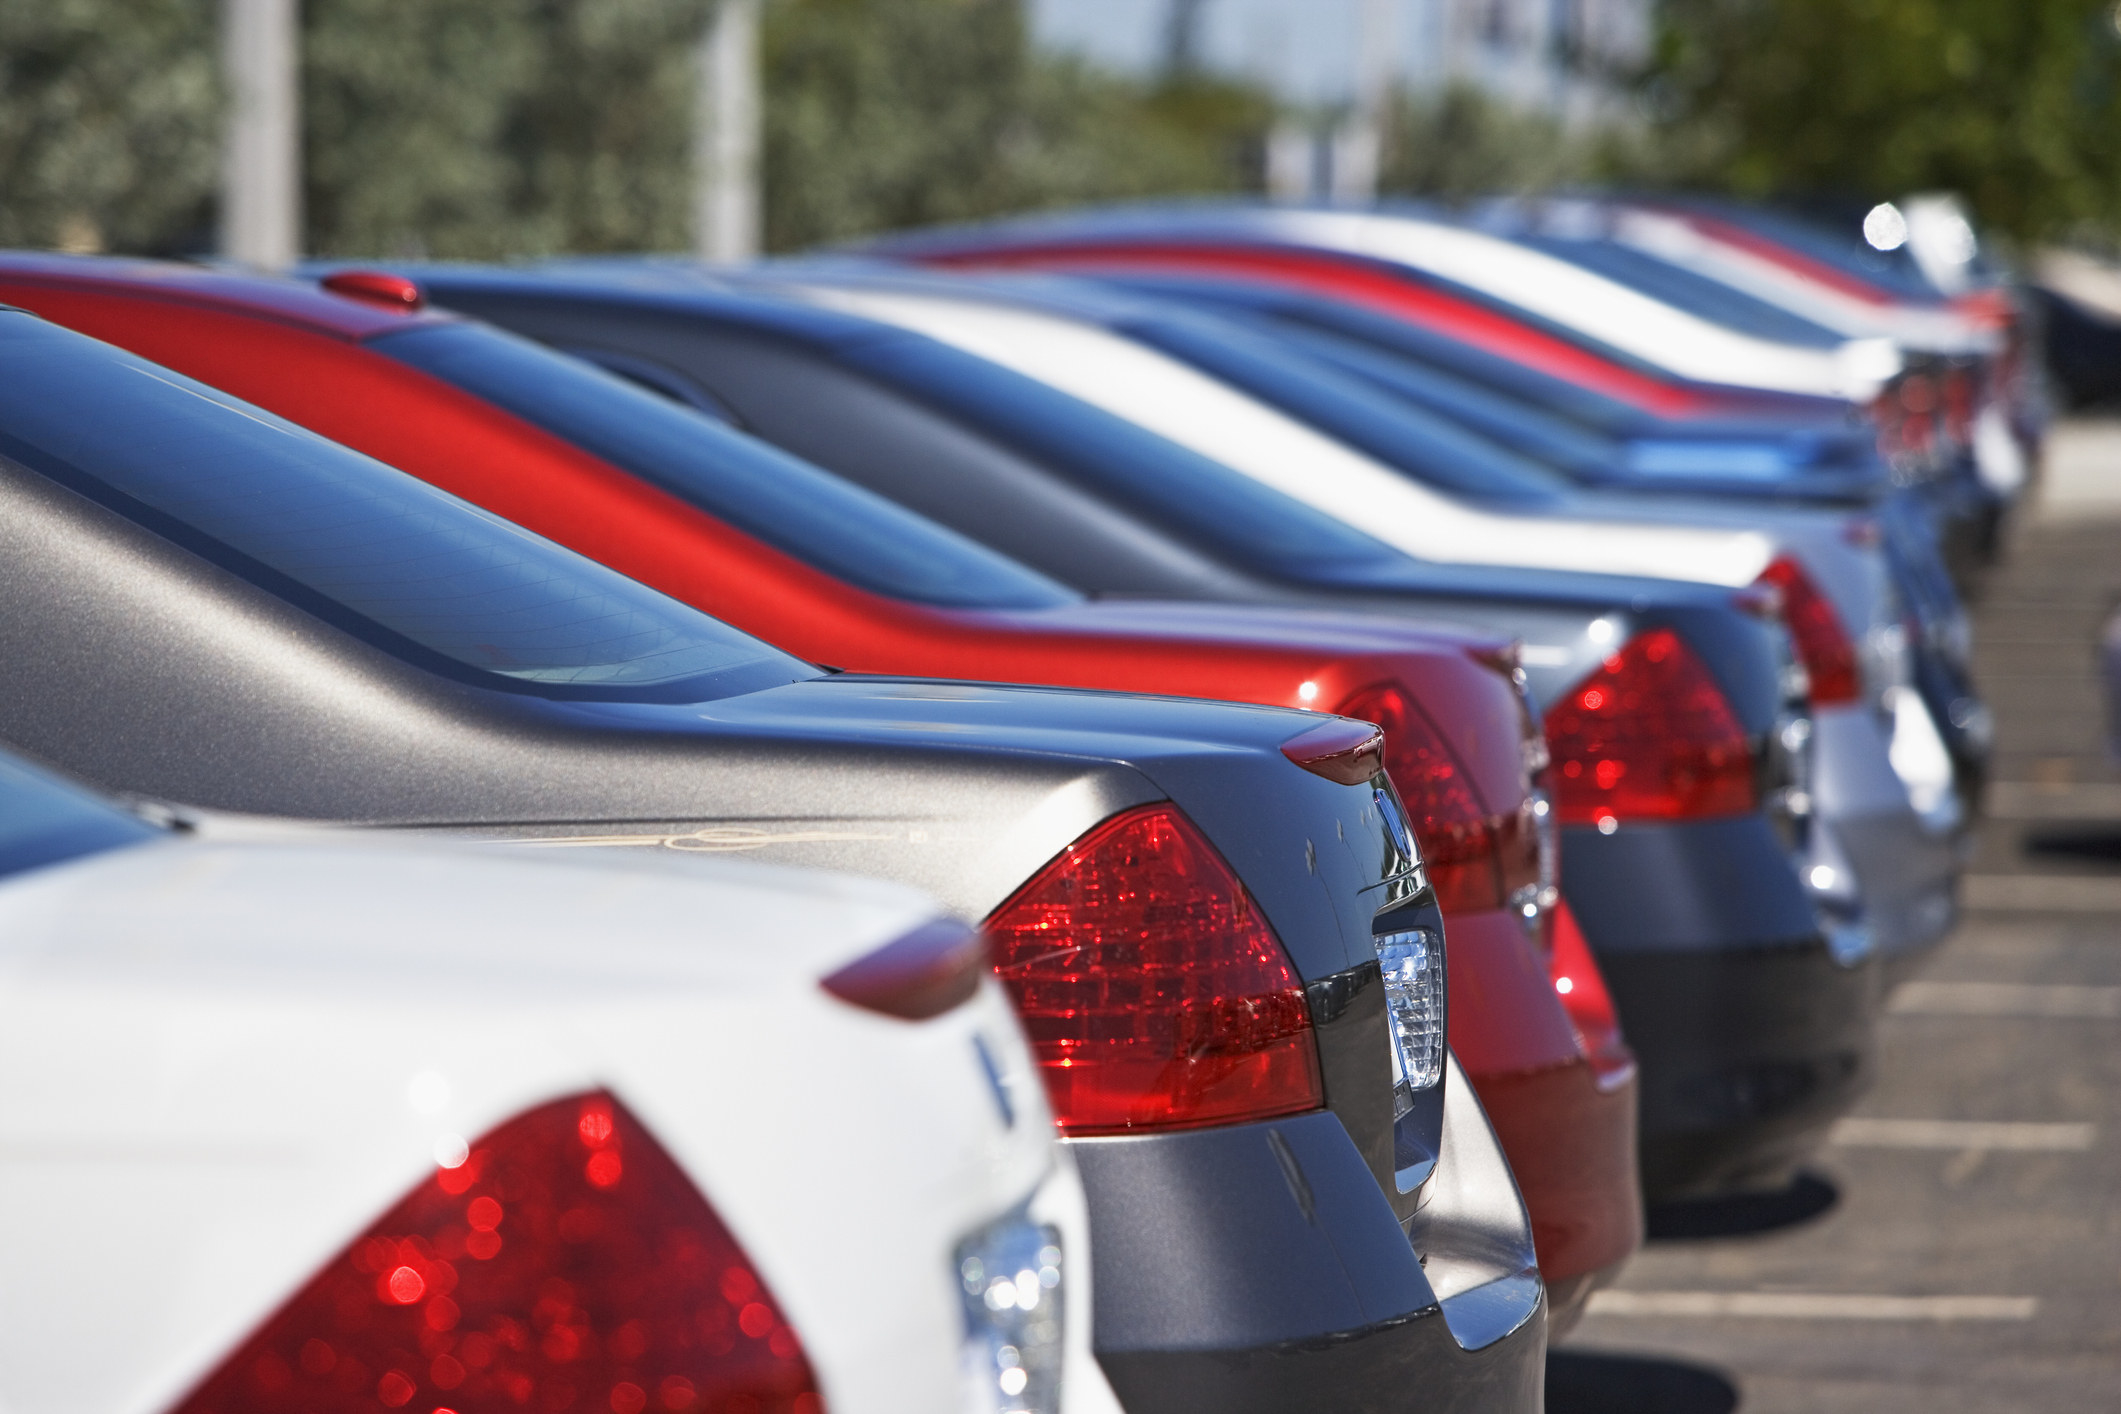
(310, 1122)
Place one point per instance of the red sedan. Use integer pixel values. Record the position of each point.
(822, 569)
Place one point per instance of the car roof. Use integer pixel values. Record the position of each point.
(294, 302)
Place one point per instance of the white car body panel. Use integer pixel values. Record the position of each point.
(1636, 324)
(231, 1059)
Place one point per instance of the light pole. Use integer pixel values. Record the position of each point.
(1358, 145)
(261, 150)
(727, 215)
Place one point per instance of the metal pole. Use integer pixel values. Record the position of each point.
(727, 219)
(261, 154)
(1358, 146)
(1182, 38)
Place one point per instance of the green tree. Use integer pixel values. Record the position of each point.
(480, 129)
(109, 123)
(2013, 103)
(1463, 142)
(887, 113)
(483, 128)
(405, 105)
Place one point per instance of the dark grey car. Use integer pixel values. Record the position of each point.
(200, 603)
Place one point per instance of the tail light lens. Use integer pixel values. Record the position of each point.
(1649, 736)
(1154, 993)
(1823, 645)
(1459, 841)
(567, 1264)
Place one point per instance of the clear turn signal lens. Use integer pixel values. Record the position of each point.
(1010, 1274)
(1414, 996)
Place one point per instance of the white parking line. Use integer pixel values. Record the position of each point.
(2003, 999)
(1813, 1306)
(2042, 893)
(1959, 1134)
(2036, 800)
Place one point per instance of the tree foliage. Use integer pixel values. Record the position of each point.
(1462, 142)
(482, 128)
(109, 122)
(2013, 103)
(884, 113)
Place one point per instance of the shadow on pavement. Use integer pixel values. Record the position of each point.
(1604, 1382)
(2097, 843)
(1742, 1214)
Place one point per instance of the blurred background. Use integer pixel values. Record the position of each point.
(485, 128)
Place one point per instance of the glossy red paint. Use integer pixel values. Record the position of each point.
(298, 352)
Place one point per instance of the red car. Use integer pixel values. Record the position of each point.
(826, 571)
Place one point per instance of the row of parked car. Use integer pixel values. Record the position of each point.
(1352, 748)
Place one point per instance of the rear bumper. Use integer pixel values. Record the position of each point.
(1259, 1268)
(1906, 871)
(1751, 1036)
(1572, 1147)
(1747, 1056)
(1570, 1144)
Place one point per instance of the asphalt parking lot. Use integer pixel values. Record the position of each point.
(1958, 1247)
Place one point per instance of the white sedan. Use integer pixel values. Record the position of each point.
(302, 1121)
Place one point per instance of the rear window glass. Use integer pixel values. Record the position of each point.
(45, 821)
(379, 553)
(1711, 299)
(1192, 495)
(846, 530)
(1512, 420)
(1429, 448)
(1390, 335)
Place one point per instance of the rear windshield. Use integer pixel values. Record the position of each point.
(1429, 448)
(845, 530)
(1189, 494)
(1512, 420)
(45, 821)
(379, 553)
(1699, 294)
(1391, 335)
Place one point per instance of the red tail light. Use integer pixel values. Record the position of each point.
(567, 1264)
(1649, 736)
(1458, 840)
(1154, 993)
(1822, 643)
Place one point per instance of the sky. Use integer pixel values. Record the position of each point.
(1305, 49)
